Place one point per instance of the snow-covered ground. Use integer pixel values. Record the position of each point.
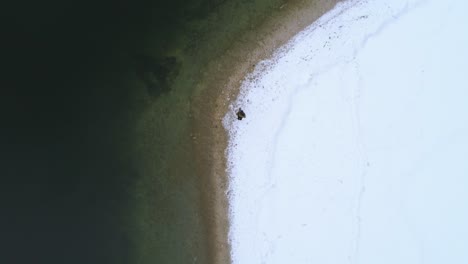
(355, 145)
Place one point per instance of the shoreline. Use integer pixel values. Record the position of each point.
(221, 83)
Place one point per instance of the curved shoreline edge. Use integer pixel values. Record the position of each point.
(219, 86)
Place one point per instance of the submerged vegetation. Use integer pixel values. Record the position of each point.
(157, 75)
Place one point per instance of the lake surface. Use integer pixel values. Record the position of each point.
(97, 159)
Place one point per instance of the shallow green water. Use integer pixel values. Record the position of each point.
(96, 155)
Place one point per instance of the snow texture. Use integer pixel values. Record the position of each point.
(355, 145)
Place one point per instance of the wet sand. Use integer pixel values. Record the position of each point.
(218, 87)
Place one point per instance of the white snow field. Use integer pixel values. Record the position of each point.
(355, 145)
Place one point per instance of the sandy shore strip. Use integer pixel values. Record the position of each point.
(221, 81)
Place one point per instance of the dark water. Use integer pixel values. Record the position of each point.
(95, 153)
